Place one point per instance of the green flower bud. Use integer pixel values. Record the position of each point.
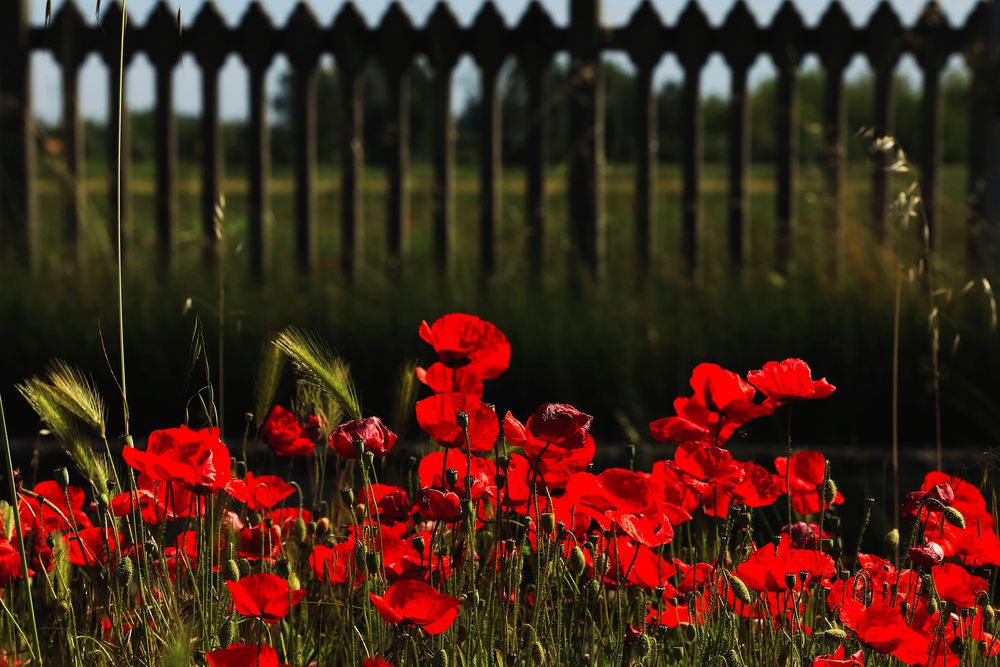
(419, 543)
(462, 419)
(577, 561)
(451, 477)
(300, 530)
(369, 458)
(537, 653)
(228, 634)
(244, 566)
(953, 516)
(359, 447)
(441, 659)
(232, 571)
(890, 545)
(347, 495)
(125, 572)
(548, 522)
(740, 590)
(643, 647)
(830, 491)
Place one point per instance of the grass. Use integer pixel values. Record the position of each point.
(621, 351)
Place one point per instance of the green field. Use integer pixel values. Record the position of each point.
(620, 351)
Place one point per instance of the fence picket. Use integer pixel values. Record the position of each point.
(118, 117)
(70, 49)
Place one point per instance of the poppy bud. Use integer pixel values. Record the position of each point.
(932, 606)
(733, 658)
(228, 634)
(372, 561)
(829, 491)
(740, 590)
(789, 580)
(311, 528)
(300, 530)
(836, 634)
(926, 555)
(125, 572)
(577, 560)
(462, 419)
(958, 644)
(690, 632)
(281, 568)
(934, 505)
(537, 653)
(890, 545)
(359, 447)
(232, 570)
(592, 589)
(643, 646)
(989, 617)
(62, 475)
(244, 566)
(451, 477)
(418, 543)
(369, 458)
(548, 522)
(560, 529)
(323, 526)
(827, 545)
(953, 516)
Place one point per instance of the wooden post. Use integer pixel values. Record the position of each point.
(442, 35)
(489, 48)
(586, 132)
(210, 41)
(349, 36)
(302, 44)
(693, 35)
(396, 35)
(644, 39)
(70, 51)
(883, 44)
(535, 37)
(975, 47)
(163, 36)
(256, 34)
(786, 34)
(17, 135)
(990, 237)
(835, 46)
(739, 36)
(932, 36)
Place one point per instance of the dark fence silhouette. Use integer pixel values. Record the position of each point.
(534, 41)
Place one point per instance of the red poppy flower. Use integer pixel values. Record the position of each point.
(839, 659)
(259, 493)
(722, 402)
(706, 469)
(158, 501)
(483, 473)
(258, 542)
(788, 380)
(375, 661)
(51, 519)
(392, 502)
(335, 565)
(437, 416)
(805, 480)
(954, 584)
(10, 563)
(884, 629)
(555, 464)
(285, 435)
(624, 498)
(284, 519)
(469, 351)
(560, 425)
(196, 459)
(378, 439)
(632, 564)
(244, 655)
(439, 504)
(767, 568)
(412, 602)
(93, 547)
(264, 596)
(804, 535)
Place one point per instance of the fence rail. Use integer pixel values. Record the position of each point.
(534, 41)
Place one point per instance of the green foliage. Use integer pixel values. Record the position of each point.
(314, 361)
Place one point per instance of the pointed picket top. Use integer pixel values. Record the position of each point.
(739, 36)
(396, 35)
(883, 40)
(692, 32)
(209, 37)
(642, 37)
(535, 33)
(349, 36)
(442, 37)
(488, 37)
(835, 37)
(302, 37)
(787, 32)
(975, 35)
(111, 26)
(163, 36)
(68, 44)
(932, 37)
(256, 37)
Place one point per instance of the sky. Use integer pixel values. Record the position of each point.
(715, 76)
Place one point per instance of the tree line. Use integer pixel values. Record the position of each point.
(620, 103)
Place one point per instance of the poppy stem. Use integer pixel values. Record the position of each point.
(788, 468)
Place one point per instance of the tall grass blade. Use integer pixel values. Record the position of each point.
(272, 363)
(405, 397)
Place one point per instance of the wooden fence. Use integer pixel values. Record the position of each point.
(534, 41)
